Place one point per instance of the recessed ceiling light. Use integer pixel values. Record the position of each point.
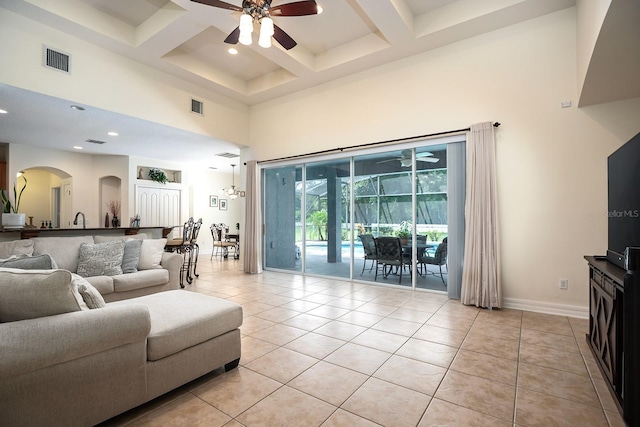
(233, 51)
(77, 147)
(3, 111)
(77, 108)
(112, 133)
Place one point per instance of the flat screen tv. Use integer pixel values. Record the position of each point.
(623, 169)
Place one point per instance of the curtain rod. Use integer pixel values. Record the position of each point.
(370, 144)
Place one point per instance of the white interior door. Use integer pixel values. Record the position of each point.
(158, 207)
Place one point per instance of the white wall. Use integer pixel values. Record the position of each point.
(103, 79)
(551, 161)
(207, 182)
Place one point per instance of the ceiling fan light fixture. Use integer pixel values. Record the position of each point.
(406, 162)
(246, 28)
(266, 31)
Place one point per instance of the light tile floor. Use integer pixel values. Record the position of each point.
(319, 352)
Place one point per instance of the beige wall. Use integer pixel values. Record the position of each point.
(551, 161)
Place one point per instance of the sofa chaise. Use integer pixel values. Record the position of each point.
(64, 363)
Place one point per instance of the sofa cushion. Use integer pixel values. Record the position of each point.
(151, 253)
(140, 279)
(16, 247)
(101, 259)
(88, 292)
(109, 238)
(180, 320)
(28, 294)
(64, 250)
(131, 257)
(104, 284)
(24, 262)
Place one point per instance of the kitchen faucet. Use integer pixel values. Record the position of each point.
(75, 221)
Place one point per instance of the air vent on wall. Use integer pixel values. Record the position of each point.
(95, 141)
(228, 155)
(57, 60)
(197, 107)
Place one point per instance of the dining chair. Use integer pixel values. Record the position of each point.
(439, 259)
(370, 252)
(183, 247)
(195, 249)
(389, 252)
(220, 243)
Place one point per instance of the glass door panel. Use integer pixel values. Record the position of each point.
(326, 244)
(282, 207)
(382, 205)
(431, 217)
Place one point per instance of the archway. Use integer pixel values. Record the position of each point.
(48, 196)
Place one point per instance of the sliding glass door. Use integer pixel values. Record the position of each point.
(320, 215)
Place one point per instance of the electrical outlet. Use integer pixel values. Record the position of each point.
(564, 284)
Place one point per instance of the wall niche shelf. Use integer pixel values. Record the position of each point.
(173, 176)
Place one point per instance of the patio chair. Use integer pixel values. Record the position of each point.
(389, 252)
(370, 253)
(439, 259)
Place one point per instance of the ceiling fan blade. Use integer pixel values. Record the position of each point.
(424, 154)
(220, 4)
(233, 37)
(283, 38)
(385, 161)
(298, 8)
(428, 159)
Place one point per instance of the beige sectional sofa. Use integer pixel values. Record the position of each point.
(67, 358)
(159, 272)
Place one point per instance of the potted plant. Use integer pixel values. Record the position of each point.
(158, 175)
(11, 218)
(404, 232)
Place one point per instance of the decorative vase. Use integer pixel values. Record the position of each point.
(106, 220)
(13, 220)
(115, 222)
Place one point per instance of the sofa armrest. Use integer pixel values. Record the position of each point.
(28, 345)
(173, 262)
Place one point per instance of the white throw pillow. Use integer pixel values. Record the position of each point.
(151, 253)
(28, 294)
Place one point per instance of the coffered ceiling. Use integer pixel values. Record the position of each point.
(185, 39)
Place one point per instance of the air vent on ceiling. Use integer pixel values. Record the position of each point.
(228, 155)
(197, 107)
(95, 141)
(55, 59)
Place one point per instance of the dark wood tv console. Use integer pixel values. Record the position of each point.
(614, 316)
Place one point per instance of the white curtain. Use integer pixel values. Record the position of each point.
(253, 218)
(481, 281)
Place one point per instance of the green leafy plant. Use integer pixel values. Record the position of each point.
(319, 220)
(157, 175)
(404, 232)
(7, 207)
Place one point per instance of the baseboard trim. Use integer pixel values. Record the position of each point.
(547, 307)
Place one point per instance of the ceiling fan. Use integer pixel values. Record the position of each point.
(405, 158)
(261, 11)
